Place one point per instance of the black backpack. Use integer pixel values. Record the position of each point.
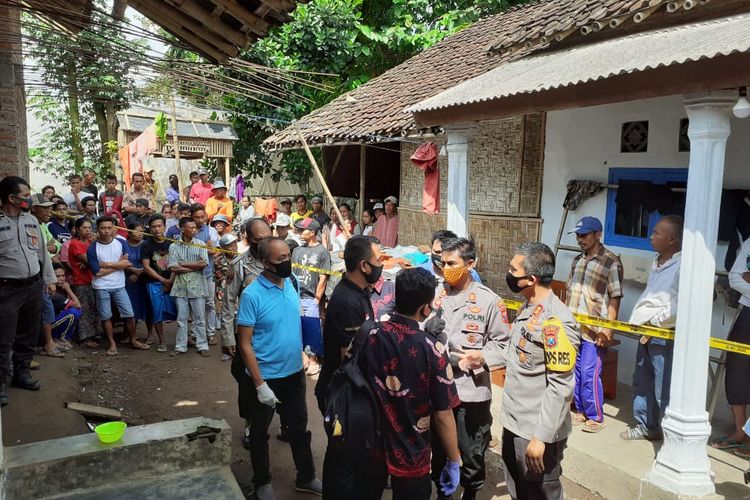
(352, 416)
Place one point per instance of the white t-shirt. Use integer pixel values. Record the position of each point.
(70, 199)
(110, 252)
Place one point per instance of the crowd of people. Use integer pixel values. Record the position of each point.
(411, 356)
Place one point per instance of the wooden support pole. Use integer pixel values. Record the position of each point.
(317, 171)
(362, 170)
(226, 171)
(175, 139)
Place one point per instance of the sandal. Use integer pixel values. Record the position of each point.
(743, 451)
(112, 352)
(64, 344)
(54, 353)
(212, 340)
(592, 426)
(91, 344)
(161, 348)
(578, 419)
(723, 443)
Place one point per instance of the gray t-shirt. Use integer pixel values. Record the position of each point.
(316, 256)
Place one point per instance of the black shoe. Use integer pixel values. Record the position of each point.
(469, 495)
(281, 436)
(4, 399)
(246, 442)
(23, 379)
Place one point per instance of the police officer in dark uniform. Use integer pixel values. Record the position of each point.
(24, 265)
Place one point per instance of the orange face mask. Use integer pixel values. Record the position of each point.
(455, 275)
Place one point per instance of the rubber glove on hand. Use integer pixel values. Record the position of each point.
(266, 395)
(450, 477)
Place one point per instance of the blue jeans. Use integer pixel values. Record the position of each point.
(185, 307)
(651, 381)
(122, 301)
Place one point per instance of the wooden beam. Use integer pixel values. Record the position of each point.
(187, 30)
(196, 12)
(94, 411)
(244, 15)
(362, 186)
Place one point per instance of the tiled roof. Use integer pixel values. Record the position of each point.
(375, 111)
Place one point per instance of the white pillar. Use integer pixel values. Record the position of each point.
(459, 139)
(682, 465)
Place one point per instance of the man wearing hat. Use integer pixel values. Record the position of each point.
(201, 191)
(281, 227)
(142, 217)
(219, 203)
(386, 229)
(595, 289)
(320, 215)
(221, 224)
(224, 276)
(286, 206)
(306, 259)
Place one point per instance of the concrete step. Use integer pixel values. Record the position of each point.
(147, 457)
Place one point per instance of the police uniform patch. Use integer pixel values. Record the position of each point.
(472, 297)
(522, 342)
(472, 339)
(559, 353)
(472, 327)
(438, 303)
(475, 309)
(503, 311)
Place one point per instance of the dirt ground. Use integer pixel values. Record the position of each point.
(150, 387)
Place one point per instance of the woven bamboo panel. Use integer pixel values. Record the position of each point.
(506, 159)
(495, 237)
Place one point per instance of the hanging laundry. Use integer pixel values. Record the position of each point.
(426, 158)
(266, 208)
(240, 186)
(133, 154)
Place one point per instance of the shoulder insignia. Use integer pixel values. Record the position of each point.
(475, 309)
(443, 293)
(472, 297)
(438, 303)
(559, 352)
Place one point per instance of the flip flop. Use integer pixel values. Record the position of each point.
(578, 419)
(91, 344)
(111, 352)
(161, 348)
(743, 451)
(54, 353)
(722, 444)
(592, 426)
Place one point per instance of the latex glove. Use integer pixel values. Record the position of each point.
(450, 477)
(266, 395)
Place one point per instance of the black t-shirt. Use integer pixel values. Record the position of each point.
(410, 375)
(348, 308)
(158, 255)
(142, 220)
(91, 189)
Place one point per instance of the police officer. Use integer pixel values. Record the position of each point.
(476, 331)
(24, 264)
(540, 377)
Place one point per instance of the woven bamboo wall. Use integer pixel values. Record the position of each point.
(496, 237)
(506, 158)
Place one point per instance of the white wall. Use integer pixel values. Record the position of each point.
(584, 144)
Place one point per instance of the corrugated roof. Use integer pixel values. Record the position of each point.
(375, 110)
(184, 128)
(599, 61)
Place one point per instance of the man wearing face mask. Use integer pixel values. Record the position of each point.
(540, 376)
(434, 265)
(348, 308)
(475, 334)
(269, 339)
(24, 265)
(246, 267)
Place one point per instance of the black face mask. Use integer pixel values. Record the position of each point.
(374, 275)
(282, 269)
(436, 260)
(512, 282)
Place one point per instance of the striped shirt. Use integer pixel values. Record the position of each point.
(593, 282)
(190, 285)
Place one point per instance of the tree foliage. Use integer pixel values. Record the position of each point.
(351, 41)
(79, 84)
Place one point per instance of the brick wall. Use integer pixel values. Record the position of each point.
(14, 157)
(506, 159)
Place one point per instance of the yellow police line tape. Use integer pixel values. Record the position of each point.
(648, 331)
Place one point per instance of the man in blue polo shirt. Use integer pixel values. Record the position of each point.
(269, 335)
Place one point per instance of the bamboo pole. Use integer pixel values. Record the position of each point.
(362, 170)
(175, 140)
(317, 171)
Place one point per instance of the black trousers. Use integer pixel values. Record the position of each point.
(524, 485)
(20, 310)
(473, 425)
(293, 415)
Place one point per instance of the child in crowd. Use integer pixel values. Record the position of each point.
(173, 231)
(223, 277)
(67, 309)
(135, 283)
